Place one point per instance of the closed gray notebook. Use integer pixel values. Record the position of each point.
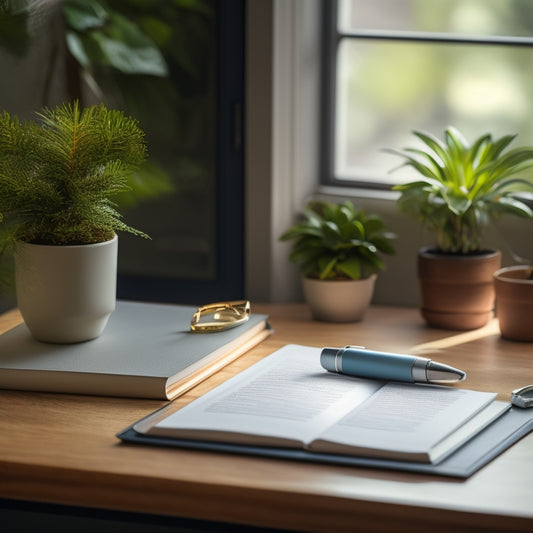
(146, 351)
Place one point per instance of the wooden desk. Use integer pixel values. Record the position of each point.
(62, 448)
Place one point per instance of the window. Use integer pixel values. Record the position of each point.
(178, 68)
(196, 254)
(394, 66)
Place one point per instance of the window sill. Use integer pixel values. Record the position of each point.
(355, 193)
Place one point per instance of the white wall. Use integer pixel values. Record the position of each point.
(282, 137)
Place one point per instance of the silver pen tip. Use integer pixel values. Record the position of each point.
(440, 373)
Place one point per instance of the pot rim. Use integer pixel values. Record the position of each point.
(315, 280)
(67, 246)
(500, 275)
(433, 252)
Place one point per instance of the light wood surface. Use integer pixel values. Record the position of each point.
(63, 449)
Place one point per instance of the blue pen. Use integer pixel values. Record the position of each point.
(359, 362)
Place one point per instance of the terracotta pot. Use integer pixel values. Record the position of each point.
(66, 293)
(339, 300)
(457, 290)
(514, 302)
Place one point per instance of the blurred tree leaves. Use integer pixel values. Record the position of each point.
(152, 58)
(99, 36)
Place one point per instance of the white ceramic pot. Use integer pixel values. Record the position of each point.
(339, 301)
(66, 293)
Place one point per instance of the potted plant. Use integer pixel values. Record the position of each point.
(338, 249)
(460, 190)
(514, 302)
(58, 176)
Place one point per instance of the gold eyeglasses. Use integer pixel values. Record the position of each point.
(220, 316)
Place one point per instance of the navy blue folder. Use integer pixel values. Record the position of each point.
(477, 452)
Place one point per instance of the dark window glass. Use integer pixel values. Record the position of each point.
(178, 68)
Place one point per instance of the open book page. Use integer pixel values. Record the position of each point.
(287, 399)
(411, 421)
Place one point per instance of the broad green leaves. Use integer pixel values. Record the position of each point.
(462, 187)
(99, 37)
(339, 242)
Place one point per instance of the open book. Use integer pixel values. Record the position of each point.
(288, 400)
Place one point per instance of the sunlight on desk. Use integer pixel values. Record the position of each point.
(455, 339)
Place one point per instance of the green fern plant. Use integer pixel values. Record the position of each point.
(59, 174)
(339, 242)
(462, 187)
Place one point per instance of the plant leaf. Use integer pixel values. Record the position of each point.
(82, 15)
(338, 241)
(351, 267)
